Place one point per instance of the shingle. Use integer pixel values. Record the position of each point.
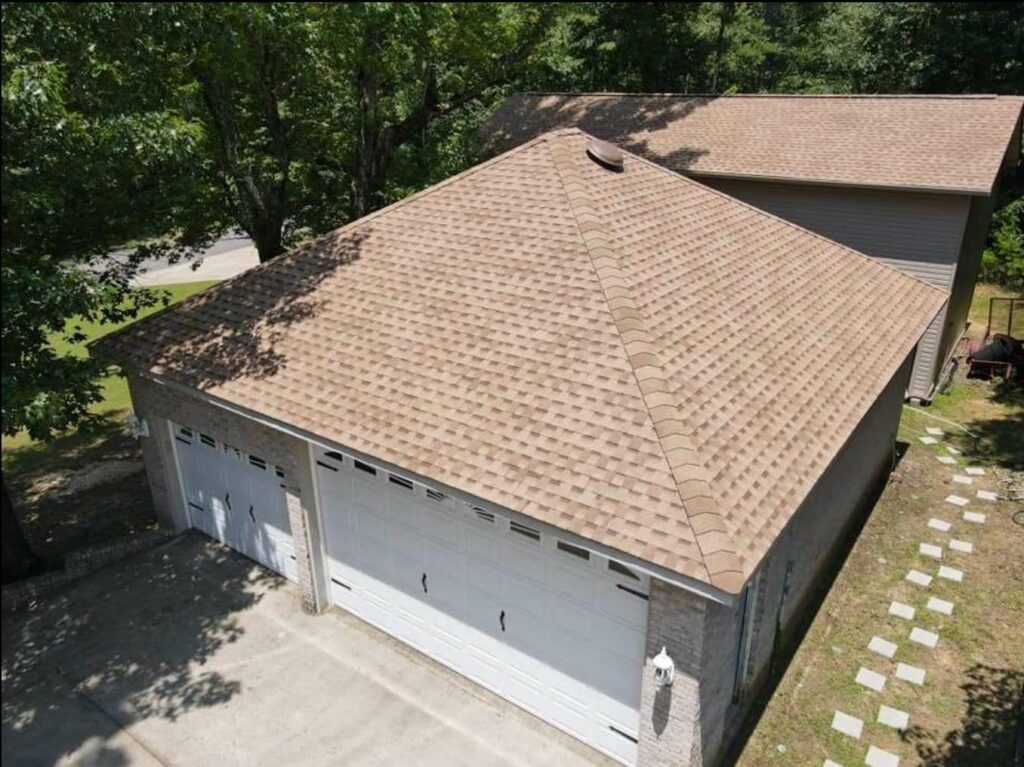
(947, 143)
(464, 334)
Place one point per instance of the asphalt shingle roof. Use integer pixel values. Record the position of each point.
(939, 143)
(630, 355)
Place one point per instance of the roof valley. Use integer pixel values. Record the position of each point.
(691, 477)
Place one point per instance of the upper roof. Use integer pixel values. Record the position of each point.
(938, 143)
(630, 355)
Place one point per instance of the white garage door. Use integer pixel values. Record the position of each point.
(554, 628)
(237, 498)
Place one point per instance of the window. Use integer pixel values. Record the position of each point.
(334, 455)
(746, 631)
(185, 431)
(576, 551)
(486, 516)
(434, 495)
(279, 472)
(523, 530)
(207, 440)
(365, 467)
(400, 481)
(615, 567)
(258, 462)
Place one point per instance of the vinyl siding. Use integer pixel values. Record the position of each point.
(916, 232)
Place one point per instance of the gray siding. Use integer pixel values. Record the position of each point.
(918, 233)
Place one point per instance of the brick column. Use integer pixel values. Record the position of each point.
(304, 516)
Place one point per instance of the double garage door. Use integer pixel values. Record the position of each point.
(237, 498)
(552, 627)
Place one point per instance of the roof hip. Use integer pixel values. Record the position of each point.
(675, 436)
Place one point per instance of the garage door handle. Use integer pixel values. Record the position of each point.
(423, 580)
(227, 500)
(501, 620)
(251, 515)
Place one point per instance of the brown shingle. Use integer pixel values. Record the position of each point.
(465, 334)
(944, 143)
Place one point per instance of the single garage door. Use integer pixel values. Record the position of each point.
(237, 498)
(556, 629)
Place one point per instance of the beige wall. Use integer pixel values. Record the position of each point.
(919, 233)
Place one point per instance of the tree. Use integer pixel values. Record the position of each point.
(78, 176)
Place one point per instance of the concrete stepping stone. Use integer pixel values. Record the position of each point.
(928, 440)
(935, 431)
(893, 717)
(909, 673)
(964, 547)
(870, 679)
(848, 725)
(830, 763)
(922, 637)
(957, 500)
(963, 479)
(975, 471)
(948, 460)
(919, 579)
(975, 516)
(901, 610)
(878, 757)
(883, 647)
(987, 495)
(951, 574)
(939, 524)
(937, 605)
(953, 450)
(930, 550)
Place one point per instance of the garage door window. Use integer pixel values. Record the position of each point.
(615, 567)
(365, 467)
(484, 516)
(523, 530)
(394, 479)
(576, 551)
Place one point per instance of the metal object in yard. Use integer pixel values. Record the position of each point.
(1000, 353)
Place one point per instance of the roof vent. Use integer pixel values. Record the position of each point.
(605, 154)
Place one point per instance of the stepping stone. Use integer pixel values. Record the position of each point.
(930, 550)
(893, 717)
(928, 440)
(987, 495)
(947, 459)
(963, 547)
(937, 605)
(909, 673)
(951, 574)
(939, 524)
(975, 471)
(830, 763)
(953, 450)
(935, 431)
(884, 647)
(922, 637)
(975, 516)
(920, 579)
(878, 757)
(957, 500)
(962, 479)
(901, 610)
(870, 679)
(848, 725)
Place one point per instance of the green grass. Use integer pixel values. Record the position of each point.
(115, 388)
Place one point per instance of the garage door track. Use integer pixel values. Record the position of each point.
(192, 655)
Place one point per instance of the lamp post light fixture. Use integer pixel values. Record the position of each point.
(664, 669)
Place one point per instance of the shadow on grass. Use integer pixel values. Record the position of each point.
(987, 734)
(127, 644)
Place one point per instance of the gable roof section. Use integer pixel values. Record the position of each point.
(630, 356)
(927, 143)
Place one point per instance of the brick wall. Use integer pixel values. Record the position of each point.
(158, 403)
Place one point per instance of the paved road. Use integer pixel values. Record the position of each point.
(230, 255)
(192, 655)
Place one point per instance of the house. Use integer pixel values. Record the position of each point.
(906, 179)
(541, 421)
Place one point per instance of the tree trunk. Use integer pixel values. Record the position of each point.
(18, 561)
(724, 15)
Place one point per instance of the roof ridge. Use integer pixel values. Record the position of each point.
(691, 477)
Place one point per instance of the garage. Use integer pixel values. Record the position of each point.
(555, 628)
(237, 498)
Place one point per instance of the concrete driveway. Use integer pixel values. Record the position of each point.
(192, 655)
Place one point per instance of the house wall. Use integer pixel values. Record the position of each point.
(919, 233)
(158, 404)
(696, 721)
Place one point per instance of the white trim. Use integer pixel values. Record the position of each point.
(319, 562)
(700, 588)
(176, 460)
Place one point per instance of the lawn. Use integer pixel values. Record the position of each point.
(81, 489)
(965, 714)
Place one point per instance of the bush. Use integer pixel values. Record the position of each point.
(1003, 259)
